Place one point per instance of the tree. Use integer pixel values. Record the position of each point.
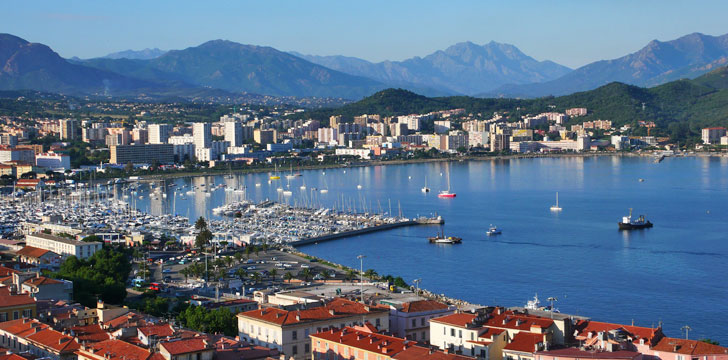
(288, 276)
(241, 273)
(238, 257)
(350, 274)
(710, 341)
(273, 274)
(92, 238)
(129, 167)
(326, 273)
(229, 261)
(103, 276)
(210, 321)
(256, 276)
(371, 274)
(305, 274)
(203, 238)
(200, 223)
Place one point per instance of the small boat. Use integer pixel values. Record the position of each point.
(425, 189)
(275, 174)
(440, 238)
(324, 191)
(628, 223)
(447, 193)
(257, 184)
(642, 180)
(280, 189)
(359, 187)
(493, 230)
(287, 193)
(556, 207)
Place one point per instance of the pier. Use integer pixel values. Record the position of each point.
(317, 239)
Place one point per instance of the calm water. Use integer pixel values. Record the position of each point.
(675, 273)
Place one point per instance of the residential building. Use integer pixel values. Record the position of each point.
(683, 349)
(603, 336)
(411, 320)
(14, 306)
(234, 133)
(118, 136)
(576, 112)
(265, 136)
(579, 354)
(499, 142)
(361, 153)
(63, 246)
(442, 126)
(8, 139)
(53, 160)
(202, 134)
(289, 330)
(43, 288)
(8, 154)
(140, 136)
(114, 349)
(69, 129)
(196, 348)
(159, 133)
(151, 334)
(14, 332)
(52, 344)
(39, 257)
(142, 154)
(327, 135)
(524, 345)
(712, 135)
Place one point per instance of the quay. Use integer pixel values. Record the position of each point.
(317, 239)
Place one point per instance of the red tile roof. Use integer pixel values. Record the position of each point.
(336, 308)
(581, 354)
(510, 320)
(8, 300)
(688, 347)
(42, 280)
(423, 305)
(418, 352)
(525, 342)
(54, 340)
(377, 343)
(159, 330)
(90, 333)
(459, 319)
(6, 271)
(22, 327)
(178, 347)
(114, 350)
(584, 327)
(32, 252)
(25, 356)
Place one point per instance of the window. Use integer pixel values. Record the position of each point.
(378, 323)
(307, 348)
(424, 335)
(16, 315)
(3, 316)
(482, 353)
(294, 335)
(422, 322)
(472, 336)
(414, 336)
(294, 351)
(452, 332)
(460, 334)
(27, 313)
(414, 322)
(305, 332)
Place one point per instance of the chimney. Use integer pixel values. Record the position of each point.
(384, 350)
(298, 317)
(332, 312)
(675, 348)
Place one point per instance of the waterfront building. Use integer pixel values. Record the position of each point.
(142, 154)
(327, 135)
(361, 153)
(499, 142)
(53, 160)
(63, 246)
(579, 354)
(411, 320)
(234, 133)
(610, 337)
(398, 129)
(289, 330)
(684, 349)
(712, 135)
(159, 133)
(478, 138)
(620, 142)
(181, 139)
(183, 152)
(202, 134)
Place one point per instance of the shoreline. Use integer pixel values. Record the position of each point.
(392, 162)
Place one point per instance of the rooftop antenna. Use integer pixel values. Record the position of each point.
(687, 329)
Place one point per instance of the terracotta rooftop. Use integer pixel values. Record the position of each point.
(336, 308)
(6, 271)
(41, 280)
(423, 305)
(114, 349)
(584, 327)
(376, 343)
(418, 352)
(90, 333)
(688, 347)
(525, 342)
(458, 319)
(581, 354)
(55, 340)
(7, 300)
(185, 346)
(159, 330)
(32, 252)
(22, 327)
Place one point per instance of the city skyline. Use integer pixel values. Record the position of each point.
(373, 31)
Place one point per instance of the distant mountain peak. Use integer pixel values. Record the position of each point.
(144, 54)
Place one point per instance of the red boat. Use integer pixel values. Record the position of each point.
(446, 194)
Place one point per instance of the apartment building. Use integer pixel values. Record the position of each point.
(63, 246)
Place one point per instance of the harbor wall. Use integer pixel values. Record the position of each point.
(335, 236)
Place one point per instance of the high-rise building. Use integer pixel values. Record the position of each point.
(159, 133)
(68, 129)
(139, 136)
(265, 136)
(142, 154)
(334, 121)
(234, 133)
(202, 133)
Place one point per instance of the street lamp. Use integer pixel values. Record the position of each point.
(687, 329)
(552, 299)
(417, 283)
(361, 276)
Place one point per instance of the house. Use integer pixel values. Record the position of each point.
(13, 306)
(231, 349)
(114, 350)
(197, 348)
(411, 320)
(597, 335)
(683, 349)
(464, 333)
(38, 257)
(579, 354)
(235, 306)
(89, 333)
(43, 288)
(14, 332)
(524, 345)
(151, 334)
(49, 343)
(288, 330)
(364, 342)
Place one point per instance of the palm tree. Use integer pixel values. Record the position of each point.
(273, 274)
(241, 273)
(185, 272)
(229, 261)
(371, 274)
(306, 274)
(288, 276)
(350, 274)
(256, 276)
(326, 273)
(238, 256)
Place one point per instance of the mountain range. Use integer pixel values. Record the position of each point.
(224, 67)
(464, 68)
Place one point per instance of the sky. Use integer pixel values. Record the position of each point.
(569, 32)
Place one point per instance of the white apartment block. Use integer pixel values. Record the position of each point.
(202, 134)
(63, 246)
(159, 133)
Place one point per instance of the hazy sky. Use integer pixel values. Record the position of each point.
(569, 32)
